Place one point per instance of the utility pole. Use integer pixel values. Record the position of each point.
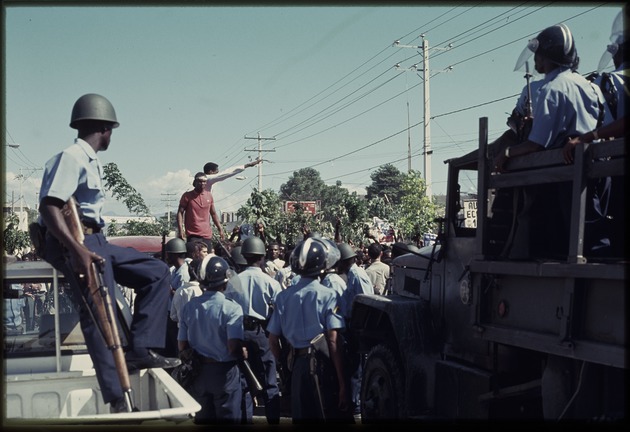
(22, 179)
(427, 151)
(168, 206)
(413, 68)
(260, 150)
(427, 119)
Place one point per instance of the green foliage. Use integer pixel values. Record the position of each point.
(14, 240)
(304, 185)
(266, 207)
(386, 184)
(123, 191)
(397, 197)
(417, 212)
(262, 207)
(137, 228)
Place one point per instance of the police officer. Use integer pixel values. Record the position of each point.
(358, 282)
(614, 86)
(212, 325)
(302, 312)
(256, 295)
(331, 278)
(567, 105)
(237, 265)
(176, 250)
(76, 171)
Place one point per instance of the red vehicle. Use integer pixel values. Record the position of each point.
(151, 245)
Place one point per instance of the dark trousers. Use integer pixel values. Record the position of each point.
(305, 406)
(217, 388)
(263, 364)
(305, 401)
(150, 279)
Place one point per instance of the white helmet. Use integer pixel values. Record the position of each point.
(617, 37)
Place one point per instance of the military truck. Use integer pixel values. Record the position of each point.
(467, 334)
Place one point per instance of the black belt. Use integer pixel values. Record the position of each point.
(250, 323)
(302, 351)
(210, 360)
(90, 227)
(205, 359)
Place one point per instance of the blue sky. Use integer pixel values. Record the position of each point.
(190, 83)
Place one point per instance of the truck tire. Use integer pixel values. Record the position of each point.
(382, 391)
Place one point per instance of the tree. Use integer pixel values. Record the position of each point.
(14, 240)
(386, 184)
(352, 214)
(266, 207)
(417, 211)
(123, 191)
(304, 185)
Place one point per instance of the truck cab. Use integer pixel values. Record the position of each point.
(471, 333)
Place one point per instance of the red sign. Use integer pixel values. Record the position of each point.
(308, 206)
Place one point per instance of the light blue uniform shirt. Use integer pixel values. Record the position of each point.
(619, 78)
(358, 283)
(179, 276)
(336, 282)
(568, 105)
(256, 292)
(303, 311)
(77, 172)
(208, 322)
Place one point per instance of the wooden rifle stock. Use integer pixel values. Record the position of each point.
(103, 314)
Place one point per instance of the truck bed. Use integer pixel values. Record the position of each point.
(73, 397)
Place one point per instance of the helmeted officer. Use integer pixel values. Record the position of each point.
(256, 295)
(212, 325)
(303, 311)
(358, 282)
(176, 251)
(331, 277)
(567, 106)
(76, 172)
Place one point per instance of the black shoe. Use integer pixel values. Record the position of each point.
(152, 360)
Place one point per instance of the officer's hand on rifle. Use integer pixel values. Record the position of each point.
(81, 259)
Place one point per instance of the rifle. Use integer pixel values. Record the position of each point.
(103, 315)
(526, 127)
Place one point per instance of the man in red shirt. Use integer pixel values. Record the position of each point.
(194, 212)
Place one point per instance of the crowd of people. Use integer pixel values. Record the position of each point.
(286, 310)
(270, 279)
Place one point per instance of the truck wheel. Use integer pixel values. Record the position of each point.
(382, 387)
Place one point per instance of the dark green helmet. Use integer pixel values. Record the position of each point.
(92, 107)
(176, 246)
(346, 251)
(253, 246)
(238, 257)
